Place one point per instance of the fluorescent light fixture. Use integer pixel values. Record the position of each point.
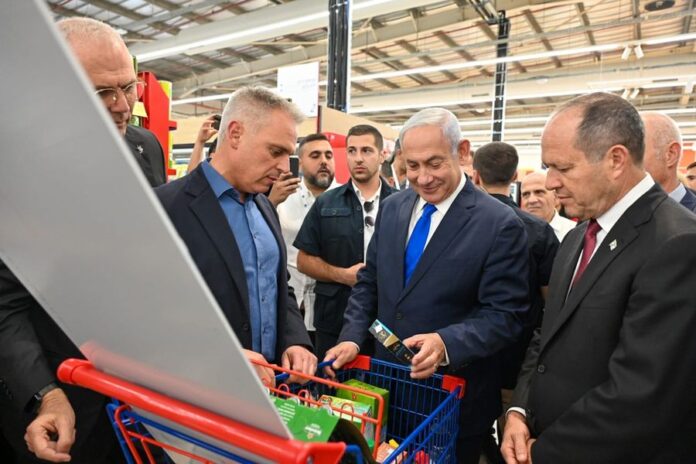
(638, 51)
(625, 93)
(474, 64)
(233, 35)
(404, 106)
(369, 4)
(643, 81)
(634, 93)
(669, 39)
(679, 111)
(530, 56)
(183, 101)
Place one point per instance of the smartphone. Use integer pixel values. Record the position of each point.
(216, 121)
(295, 166)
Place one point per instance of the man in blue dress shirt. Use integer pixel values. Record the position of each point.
(233, 232)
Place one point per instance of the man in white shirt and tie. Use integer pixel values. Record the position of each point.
(607, 377)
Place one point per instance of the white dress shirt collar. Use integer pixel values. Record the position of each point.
(678, 193)
(609, 219)
(445, 204)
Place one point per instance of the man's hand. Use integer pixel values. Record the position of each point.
(342, 354)
(298, 358)
(55, 418)
(517, 444)
(285, 186)
(350, 274)
(266, 374)
(431, 354)
(206, 130)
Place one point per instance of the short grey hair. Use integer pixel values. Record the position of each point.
(252, 104)
(85, 30)
(439, 117)
(665, 131)
(607, 120)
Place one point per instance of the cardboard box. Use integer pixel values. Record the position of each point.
(372, 401)
(351, 410)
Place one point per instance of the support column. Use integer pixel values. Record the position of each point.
(500, 78)
(338, 79)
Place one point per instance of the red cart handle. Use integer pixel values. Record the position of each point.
(449, 382)
(257, 442)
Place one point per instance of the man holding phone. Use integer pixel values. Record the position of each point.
(315, 158)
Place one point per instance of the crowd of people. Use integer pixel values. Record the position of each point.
(571, 315)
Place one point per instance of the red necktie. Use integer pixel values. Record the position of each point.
(588, 246)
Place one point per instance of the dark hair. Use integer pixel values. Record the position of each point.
(212, 147)
(365, 129)
(692, 165)
(310, 138)
(496, 163)
(607, 120)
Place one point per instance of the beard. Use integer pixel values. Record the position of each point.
(321, 180)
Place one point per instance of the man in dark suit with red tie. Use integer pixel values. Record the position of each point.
(447, 271)
(610, 378)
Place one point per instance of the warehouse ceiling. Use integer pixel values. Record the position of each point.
(409, 54)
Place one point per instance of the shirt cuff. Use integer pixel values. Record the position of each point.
(446, 361)
(516, 409)
(357, 347)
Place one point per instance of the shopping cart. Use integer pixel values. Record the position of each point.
(423, 418)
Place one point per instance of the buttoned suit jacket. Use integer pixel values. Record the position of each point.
(689, 201)
(610, 378)
(198, 217)
(470, 286)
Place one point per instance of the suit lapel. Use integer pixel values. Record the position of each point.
(206, 208)
(624, 232)
(455, 219)
(401, 234)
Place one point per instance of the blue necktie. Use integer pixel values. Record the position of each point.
(416, 243)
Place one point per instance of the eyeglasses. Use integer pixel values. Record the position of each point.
(368, 206)
(132, 92)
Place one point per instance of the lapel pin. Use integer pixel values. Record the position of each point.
(613, 245)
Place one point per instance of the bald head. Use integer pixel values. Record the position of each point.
(536, 199)
(663, 148)
(105, 58)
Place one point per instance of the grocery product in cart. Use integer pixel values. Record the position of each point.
(423, 418)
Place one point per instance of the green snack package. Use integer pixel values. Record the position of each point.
(351, 411)
(371, 401)
(305, 424)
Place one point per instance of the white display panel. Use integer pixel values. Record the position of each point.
(82, 230)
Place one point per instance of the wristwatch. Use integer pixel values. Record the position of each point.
(38, 397)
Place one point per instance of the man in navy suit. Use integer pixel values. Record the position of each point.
(233, 233)
(447, 271)
(663, 150)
